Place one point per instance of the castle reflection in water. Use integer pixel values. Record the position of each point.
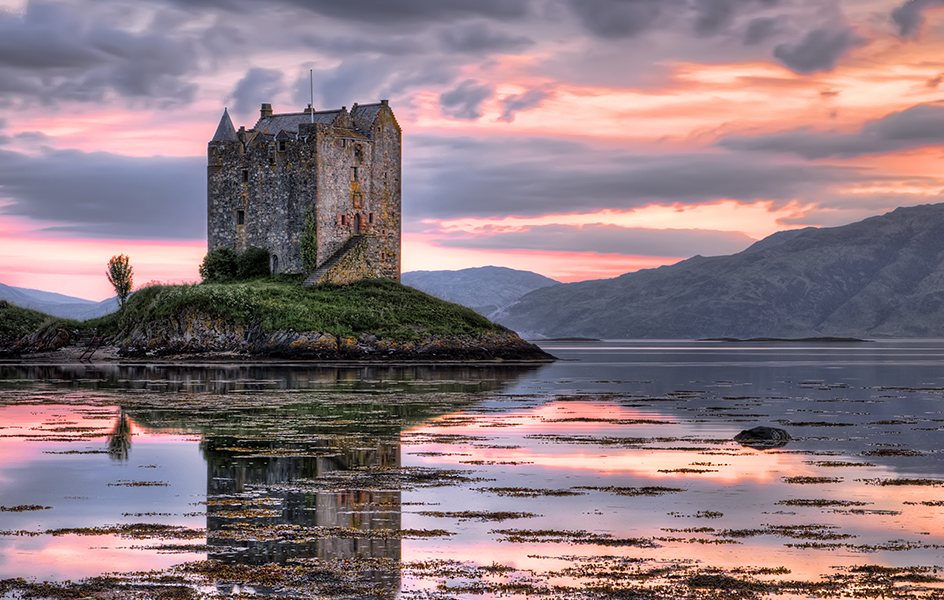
(237, 487)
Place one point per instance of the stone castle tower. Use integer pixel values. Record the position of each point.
(343, 166)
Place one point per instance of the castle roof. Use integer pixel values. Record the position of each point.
(225, 132)
(365, 115)
(290, 122)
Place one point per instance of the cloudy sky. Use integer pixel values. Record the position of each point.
(576, 138)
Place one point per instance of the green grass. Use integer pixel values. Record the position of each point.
(381, 307)
(15, 322)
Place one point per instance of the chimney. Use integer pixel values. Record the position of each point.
(266, 111)
(385, 102)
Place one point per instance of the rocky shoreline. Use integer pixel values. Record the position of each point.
(195, 337)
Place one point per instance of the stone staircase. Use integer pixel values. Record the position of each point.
(332, 260)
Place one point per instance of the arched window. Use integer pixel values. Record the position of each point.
(275, 263)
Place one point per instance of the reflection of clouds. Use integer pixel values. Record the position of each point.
(576, 444)
(68, 557)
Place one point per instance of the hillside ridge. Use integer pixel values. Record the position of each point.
(880, 277)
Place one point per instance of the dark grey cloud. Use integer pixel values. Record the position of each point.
(920, 125)
(761, 29)
(258, 86)
(455, 177)
(368, 79)
(819, 50)
(465, 101)
(44, 37)
(909, 16)
(52, 52)
(511, 105)
(715, 16)
(621, 18)
(479, 38)
(150, 65)
(384, 12)
(608, 239)
(629, 18)
(97, 194)
(352, 45)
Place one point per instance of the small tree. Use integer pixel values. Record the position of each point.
(218, 265)
(120, 276)
(254, 262)
(310, 241)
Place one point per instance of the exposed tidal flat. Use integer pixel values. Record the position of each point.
(611, 473)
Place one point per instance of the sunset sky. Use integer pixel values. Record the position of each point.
(577, 138)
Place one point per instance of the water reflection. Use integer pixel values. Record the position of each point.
(629, 448)
(226, 378)
(119, 440)
(246, 487)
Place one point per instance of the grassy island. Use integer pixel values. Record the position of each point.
(275, 317)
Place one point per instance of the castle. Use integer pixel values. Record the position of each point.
(339, 169)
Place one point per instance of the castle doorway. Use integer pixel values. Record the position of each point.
(357, 223)
(275, 264)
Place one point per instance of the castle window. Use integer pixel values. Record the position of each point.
(383, 256)
(281, 145)
(245, 175)
(343, 220)
(240, 217)
(353, 173)
(275, 263)
(370, 218)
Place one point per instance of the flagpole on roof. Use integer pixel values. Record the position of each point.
(311, 86)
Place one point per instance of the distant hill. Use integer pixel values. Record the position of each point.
(486, 290)
(58, 305)
(881, 277)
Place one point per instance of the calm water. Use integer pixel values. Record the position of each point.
(611, 469)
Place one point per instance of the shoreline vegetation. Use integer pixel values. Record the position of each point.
(270, 318)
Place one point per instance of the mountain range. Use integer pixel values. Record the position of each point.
(486, 290)
(57, 305)
(880, 277)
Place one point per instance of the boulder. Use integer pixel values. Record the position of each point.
(763, 438)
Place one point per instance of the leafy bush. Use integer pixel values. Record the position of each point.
(218, 265)
(254, 262)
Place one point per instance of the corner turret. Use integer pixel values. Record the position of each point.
(225, 132)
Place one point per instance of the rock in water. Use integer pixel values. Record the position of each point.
(763, 438)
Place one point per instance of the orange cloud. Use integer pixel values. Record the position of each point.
(756, 220)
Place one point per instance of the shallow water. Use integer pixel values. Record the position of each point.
(610, 473)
